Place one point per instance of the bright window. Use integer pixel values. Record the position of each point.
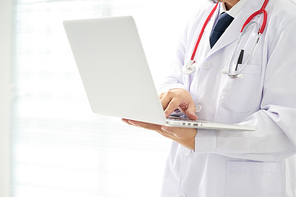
(59, 147)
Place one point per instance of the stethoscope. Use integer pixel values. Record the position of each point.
(191, 66)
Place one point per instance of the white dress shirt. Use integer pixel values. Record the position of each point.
(235, 9)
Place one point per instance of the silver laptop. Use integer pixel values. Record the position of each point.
(115, 73)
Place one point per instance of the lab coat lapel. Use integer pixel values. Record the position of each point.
(232, 32)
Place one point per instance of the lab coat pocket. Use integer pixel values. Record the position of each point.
(239, 95)
(253, 179)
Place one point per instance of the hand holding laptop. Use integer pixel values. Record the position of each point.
(181, 135)
(172, 100)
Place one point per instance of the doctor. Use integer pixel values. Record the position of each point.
(205, 163)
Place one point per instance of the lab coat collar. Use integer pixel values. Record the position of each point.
(232, 32)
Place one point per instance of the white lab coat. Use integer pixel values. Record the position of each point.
(239, 164)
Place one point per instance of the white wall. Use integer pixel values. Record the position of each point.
(5, 59)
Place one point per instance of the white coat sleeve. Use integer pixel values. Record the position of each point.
(275, 137)
(174, 77)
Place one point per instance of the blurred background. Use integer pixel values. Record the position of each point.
(51, 144)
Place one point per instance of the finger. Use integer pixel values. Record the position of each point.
(126, 121)
(167, 129)
(165, 100)
(145, 125)
(172, 132)
(172, 106)
(154, 127)
(168, 96)
(166, 132)
(161, 95)
(179, 132)
(190, 112)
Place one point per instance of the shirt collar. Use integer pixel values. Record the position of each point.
(235, 9)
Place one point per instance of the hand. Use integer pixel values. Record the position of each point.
(172, 100)
(178, 99)
(184, 136)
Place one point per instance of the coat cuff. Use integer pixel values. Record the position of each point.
(205, 141)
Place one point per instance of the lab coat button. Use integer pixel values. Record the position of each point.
(187, 151)
(206, 65)
(181, 195)
(198, 108)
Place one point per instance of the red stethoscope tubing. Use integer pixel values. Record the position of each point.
(261, 30)
(263, 11)
(202, 30)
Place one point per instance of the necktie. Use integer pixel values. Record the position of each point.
(222, 23)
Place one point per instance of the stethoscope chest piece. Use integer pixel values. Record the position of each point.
(189, 67)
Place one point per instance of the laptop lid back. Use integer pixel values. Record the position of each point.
(113, 68)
